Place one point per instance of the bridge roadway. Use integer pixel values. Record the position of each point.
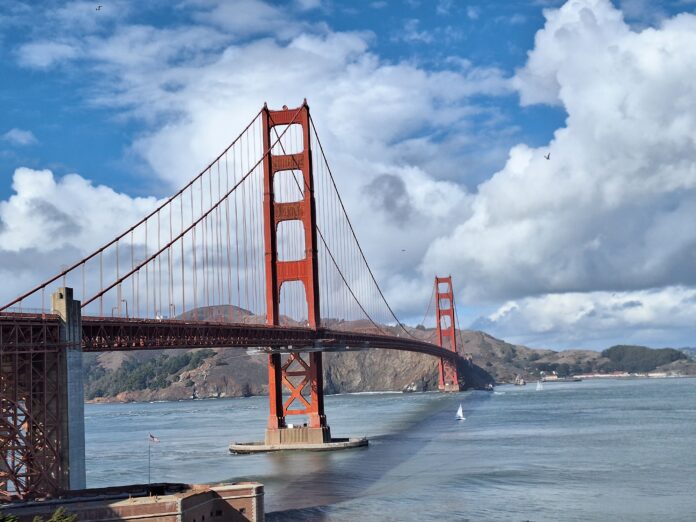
(24, 332)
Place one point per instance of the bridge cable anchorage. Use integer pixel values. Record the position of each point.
(321, 235)
(100, 250)
(352, 230)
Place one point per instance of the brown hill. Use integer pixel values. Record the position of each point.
(225, 372)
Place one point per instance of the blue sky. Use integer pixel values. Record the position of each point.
(75, 135)
(135, 97)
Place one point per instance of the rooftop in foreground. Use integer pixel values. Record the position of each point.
(165, 502)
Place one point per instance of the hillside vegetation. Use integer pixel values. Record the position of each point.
(635, 359)
(134, 375)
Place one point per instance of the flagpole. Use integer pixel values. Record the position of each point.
(151, 439)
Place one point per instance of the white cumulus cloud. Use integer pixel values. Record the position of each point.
(658, 317)
(49, 222)
(45, 54)
(19, 137)
(613, 207)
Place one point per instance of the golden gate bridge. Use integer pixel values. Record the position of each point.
(261, 232)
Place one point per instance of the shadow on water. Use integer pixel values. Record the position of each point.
(305, 485)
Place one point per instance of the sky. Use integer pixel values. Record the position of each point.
(436, 116)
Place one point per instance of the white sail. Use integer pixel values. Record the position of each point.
(460, 413)
(539, 386)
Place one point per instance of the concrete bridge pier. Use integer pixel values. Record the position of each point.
(72, 410)
(302, 375)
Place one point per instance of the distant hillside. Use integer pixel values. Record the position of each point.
(229, 372)
(690, 353)
(635, 359)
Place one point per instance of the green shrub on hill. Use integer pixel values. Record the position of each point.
(134, 375)
(636, 359)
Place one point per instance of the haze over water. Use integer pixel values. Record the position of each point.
(595, 450)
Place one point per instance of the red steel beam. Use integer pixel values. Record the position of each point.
(30, 406)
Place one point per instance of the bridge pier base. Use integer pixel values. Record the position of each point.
(297, 435)
(451, 387)
(302, 378)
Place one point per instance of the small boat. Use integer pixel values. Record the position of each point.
(539, 386)
(410, 388)
(460, 413)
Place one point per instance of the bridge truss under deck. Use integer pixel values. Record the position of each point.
(31, 390)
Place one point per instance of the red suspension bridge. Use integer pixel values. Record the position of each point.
(261, 232)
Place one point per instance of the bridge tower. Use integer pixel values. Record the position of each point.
(299, 374)
(446, 332)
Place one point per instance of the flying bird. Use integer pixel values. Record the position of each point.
(547, 156)
(98, 8)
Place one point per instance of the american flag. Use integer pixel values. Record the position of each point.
(152, 438)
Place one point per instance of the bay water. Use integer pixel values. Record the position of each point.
(592, 450)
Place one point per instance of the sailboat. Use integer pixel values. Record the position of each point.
(460, 413)
(539, 386)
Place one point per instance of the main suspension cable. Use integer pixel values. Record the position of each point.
(100, 250)
(352, 230)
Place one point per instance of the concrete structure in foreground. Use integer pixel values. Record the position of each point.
(299, 444)
(72, 409)
(153, 503)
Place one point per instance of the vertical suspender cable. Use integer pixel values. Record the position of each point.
(132, 279)
(183, 281)
(159, 267)
(236, 237)
(147, 277)
(195, 267)
(101, 285)
(227, 234)
(118, 288)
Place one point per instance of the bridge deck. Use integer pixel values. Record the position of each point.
(100, 334)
